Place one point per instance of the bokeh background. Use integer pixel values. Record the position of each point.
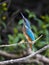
(36, 11)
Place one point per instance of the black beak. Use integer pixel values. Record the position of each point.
(23, 17)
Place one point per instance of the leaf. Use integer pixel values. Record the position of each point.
(34, 28)
(4, 25)
(4, 4)
(10, 37)
(21, 21)
(20, 35)
(0, 40)
(32, 14)
(47, 53)
(16, 39)
(27, 11)
(15, 30)
(23, 46)
(40, 44)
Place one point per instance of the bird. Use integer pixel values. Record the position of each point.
(27, 30)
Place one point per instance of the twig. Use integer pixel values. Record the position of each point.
(21, 42)
(37, 39)
(24, 58)
(13, 56)
(13, 44)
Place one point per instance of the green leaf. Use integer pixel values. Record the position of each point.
(10, 37)
(23, 46)
(21, 21)
(16, 39)
(47, 53)
(32, 14)
(34, 28)
(20, 35)
(40, 44)
(27, 11)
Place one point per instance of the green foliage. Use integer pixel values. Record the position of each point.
(41, 28)
(20, 21)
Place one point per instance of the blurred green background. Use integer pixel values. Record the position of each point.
(37, 12)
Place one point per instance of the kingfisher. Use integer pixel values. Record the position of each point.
(27, 30)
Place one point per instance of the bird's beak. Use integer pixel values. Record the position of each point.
(26, 21)
(22, 15)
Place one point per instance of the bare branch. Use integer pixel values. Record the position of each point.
(21, 42)
(42, 58)
(37, 39)
(32, 61)
(8, 55)
(24, 58)
(13, 44)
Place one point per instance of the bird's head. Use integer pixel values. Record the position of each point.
(26, 21)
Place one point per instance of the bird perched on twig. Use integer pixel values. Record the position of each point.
(27, 30)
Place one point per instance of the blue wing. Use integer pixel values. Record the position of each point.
(30, 33)
(27, 22)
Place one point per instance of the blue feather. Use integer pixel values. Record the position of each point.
(27, 28)
(27, 22)
(30, 33)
